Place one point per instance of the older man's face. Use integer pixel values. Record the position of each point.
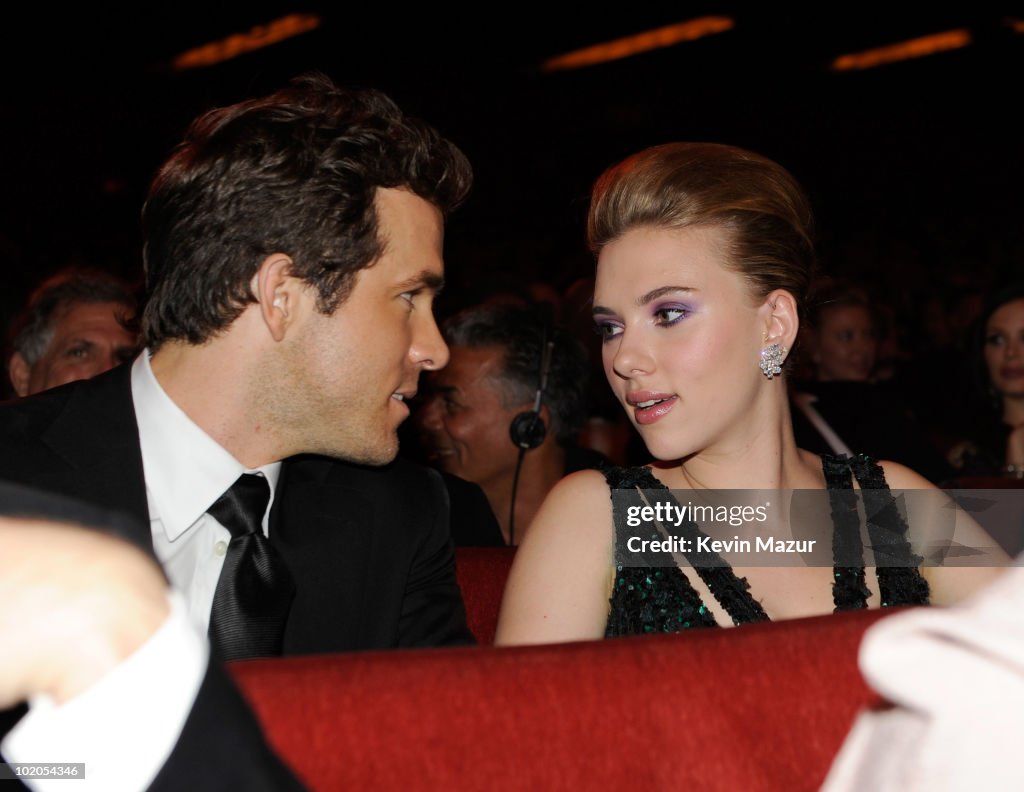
(87, 340)
(464, 423)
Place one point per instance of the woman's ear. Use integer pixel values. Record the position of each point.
(781, 319)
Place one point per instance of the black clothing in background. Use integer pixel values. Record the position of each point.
(581, 458)
(472, 519)
(982, 451)
(871, 419)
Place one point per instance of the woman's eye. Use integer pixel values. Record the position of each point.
(995, 339)
(607, 330)
(670, 315)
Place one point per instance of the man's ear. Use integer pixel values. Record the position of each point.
(781, 319)
(276, 293)
(20, 372)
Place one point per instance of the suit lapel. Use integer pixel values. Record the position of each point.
(96, 435)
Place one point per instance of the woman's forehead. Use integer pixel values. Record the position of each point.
(647, 258)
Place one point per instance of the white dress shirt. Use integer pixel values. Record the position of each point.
(125, 726)
(186, 471)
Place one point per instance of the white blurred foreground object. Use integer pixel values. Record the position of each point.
(955, 679)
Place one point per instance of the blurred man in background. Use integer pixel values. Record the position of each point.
(75, 325)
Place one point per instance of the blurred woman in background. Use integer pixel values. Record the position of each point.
(839, 406)
(995, 444)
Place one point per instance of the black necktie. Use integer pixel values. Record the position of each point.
(255, 588)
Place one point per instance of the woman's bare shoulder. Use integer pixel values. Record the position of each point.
(573, 500)
(899, 476)
(582, 483)
(560, 581)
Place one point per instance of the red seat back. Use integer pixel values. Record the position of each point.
(759, 708)
(481, 572)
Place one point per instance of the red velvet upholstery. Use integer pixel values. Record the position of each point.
(482, 572)
(763, 707)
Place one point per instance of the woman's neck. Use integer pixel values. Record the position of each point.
(1013, 410)
(762, 454)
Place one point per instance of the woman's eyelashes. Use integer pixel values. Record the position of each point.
(999, 338)
(607, 328)
(663, 315)
(668, 314)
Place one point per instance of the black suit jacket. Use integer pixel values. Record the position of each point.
(221, 745)
(369, 548)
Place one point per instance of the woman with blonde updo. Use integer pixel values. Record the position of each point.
(704, 257)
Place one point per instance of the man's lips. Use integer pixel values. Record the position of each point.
(404, 394)
(403, 397)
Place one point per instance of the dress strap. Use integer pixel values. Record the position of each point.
(732, 592)
(849, 589)
(899, 577)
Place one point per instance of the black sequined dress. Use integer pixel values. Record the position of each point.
(650, 599)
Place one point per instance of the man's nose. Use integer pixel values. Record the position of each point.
(428, 347)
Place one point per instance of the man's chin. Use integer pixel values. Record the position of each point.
(380, 456)
(374, 456)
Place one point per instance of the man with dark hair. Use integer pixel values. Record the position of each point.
(75, 325)
(293, 248)
(494, 374)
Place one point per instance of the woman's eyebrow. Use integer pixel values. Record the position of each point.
(644, 299)
(661, 291)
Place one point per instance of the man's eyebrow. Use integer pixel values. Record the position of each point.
(423, 280)
(644, 299)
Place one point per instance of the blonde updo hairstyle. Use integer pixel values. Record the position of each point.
(680, 185)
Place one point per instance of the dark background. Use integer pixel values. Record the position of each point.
(914, 168)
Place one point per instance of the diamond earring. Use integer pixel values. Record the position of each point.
(771, 360)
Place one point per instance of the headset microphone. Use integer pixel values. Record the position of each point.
(528, 430)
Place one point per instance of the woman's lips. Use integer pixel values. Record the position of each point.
(648, 415)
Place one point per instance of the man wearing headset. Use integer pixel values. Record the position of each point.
(505, 412)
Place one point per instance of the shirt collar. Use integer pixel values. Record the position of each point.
(185, 469)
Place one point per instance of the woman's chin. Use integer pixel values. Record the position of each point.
(666, 451)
